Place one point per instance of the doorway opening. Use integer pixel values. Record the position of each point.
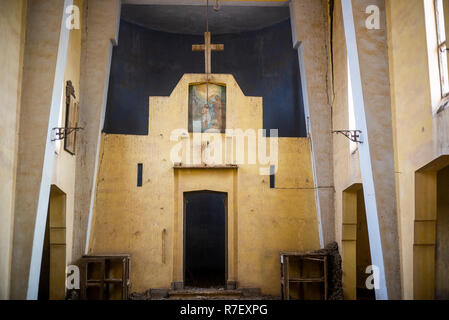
(442, 236)
(431, 231)
(363, 254)
(205, 250)
(355, 245)
(53, 265)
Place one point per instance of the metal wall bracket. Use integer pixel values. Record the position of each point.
(353, 135)
(61, 133)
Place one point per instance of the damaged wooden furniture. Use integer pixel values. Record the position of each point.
(105, 277)
(304, 276)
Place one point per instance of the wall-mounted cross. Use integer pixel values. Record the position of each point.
(207, 47)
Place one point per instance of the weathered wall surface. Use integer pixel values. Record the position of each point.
(150, 63)
(420, 131)
(99, 34)
(345, 162)
(412, 114)
(12, 39)
(261, 221)
(65, 163)
(374, 70)
(311, 37)
(40, 59)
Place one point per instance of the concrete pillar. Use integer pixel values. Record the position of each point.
(43, 75)
(12, 38)
(369, 69)
(310, 31)
(100, 34)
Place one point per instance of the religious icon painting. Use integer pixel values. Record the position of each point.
(207, 115)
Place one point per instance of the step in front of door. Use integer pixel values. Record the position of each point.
(203, 294)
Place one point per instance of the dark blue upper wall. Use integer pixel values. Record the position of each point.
(150, 63)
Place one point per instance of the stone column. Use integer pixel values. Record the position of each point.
(310, 37)
(12, 37)
(43, 75)
(100, 34)
(369, 69)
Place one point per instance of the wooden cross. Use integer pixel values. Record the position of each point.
(207, 47)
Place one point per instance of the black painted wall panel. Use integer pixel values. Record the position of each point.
(150, 63)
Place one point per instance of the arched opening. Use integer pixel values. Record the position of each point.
(355, 245)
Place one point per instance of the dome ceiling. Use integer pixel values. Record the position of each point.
(191, 19)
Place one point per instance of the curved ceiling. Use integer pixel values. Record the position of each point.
(191, 19)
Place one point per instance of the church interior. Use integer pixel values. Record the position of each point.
(224, 149)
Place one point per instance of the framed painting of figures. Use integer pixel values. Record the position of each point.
(71, 119)
(207, 115)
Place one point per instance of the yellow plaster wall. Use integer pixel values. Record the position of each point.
(57, 243)
(64, 169)
(374, 71)
(263, 221)
(420, 134)
(99, 34)
(65, 163)
(349, 241)
(12, 40)
(312, 34)
(373, 59)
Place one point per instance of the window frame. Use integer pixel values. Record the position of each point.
(442, 47)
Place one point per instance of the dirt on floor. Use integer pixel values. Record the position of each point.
(335, 286)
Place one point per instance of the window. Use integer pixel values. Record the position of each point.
(442, 55)
(139, 174)
(272, 177)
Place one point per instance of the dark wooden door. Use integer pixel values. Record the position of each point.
(205, 239)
